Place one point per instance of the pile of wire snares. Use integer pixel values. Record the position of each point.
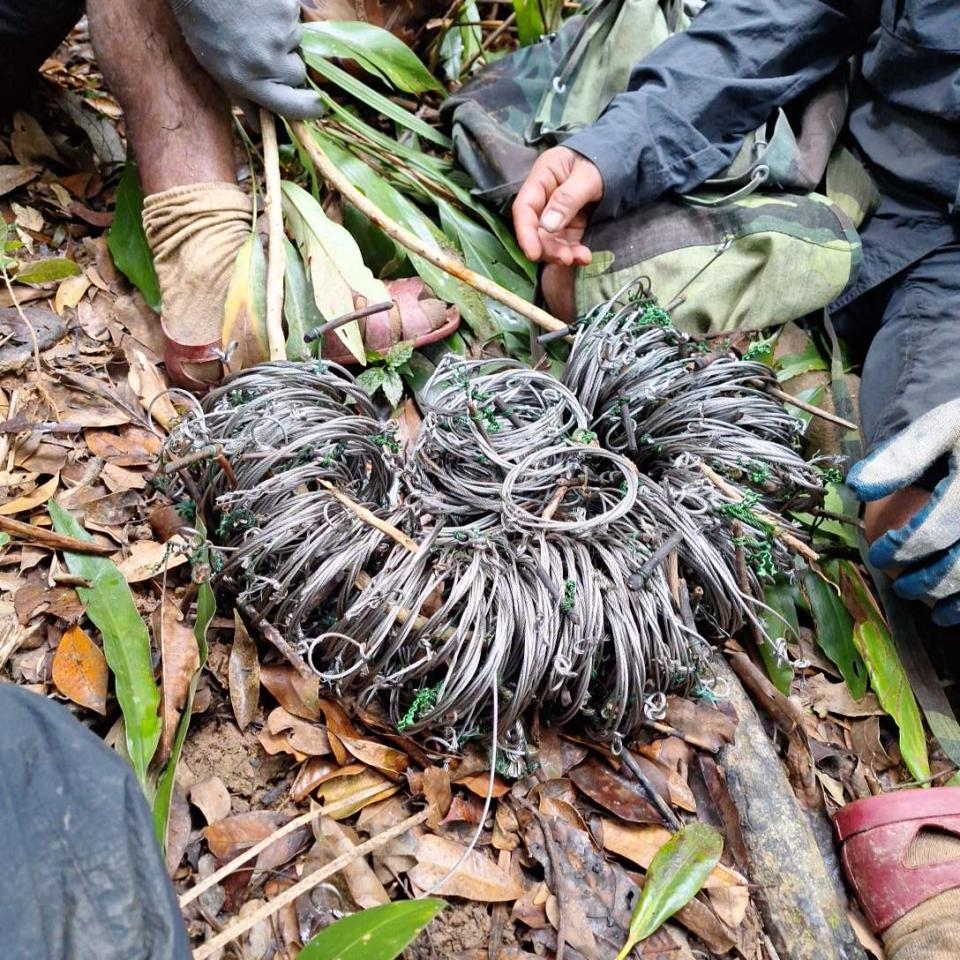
(557, 544)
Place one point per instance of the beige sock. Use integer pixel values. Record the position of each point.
(195, 233)
(932, 930)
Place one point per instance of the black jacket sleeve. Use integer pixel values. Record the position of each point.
(690, 102)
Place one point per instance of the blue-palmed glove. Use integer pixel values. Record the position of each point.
(928, 546)
(250, 47)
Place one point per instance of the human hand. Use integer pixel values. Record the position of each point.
(250, 48)
(551, 210)
(927, 547)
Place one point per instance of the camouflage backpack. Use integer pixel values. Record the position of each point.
(752, 248)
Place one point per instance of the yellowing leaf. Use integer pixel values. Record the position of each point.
(39, 496)
(244, 332)
(477, 877)
(80, 671)
(70, 292)
(341, 280)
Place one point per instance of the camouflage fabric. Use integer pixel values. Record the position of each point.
(748, 264)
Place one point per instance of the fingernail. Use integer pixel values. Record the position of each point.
(551, 220)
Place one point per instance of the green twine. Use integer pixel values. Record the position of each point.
(423, 703)
(569, 596)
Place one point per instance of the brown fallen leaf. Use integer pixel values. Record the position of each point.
(436, 789)
(313, 772)
(212, 799)
(344, 796)
(303, 737)
(377, 755)
(365, 889)
(824, 697)
(463, 809)
(338, 724)
(408, 420)
(178, 829)
(80, 671)
(668, 783)
(70, 292)
(148, 559)
(477, 878)
(479, 784)
(31, 500)
(231, 836)
(730, 903)
(13, 175)
(701, 724)
(294, 692)
(614, 792)
(130, 446)
(150, 388)
(179, 662)
(244, 673)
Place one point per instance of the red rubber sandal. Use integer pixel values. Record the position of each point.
(876, 834)
(417, 315)
(177, 355)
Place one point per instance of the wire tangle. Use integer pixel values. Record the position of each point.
(544, 543)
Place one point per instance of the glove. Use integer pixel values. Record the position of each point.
(929, 544)
(250, 48)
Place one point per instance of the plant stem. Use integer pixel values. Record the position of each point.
(275, 254)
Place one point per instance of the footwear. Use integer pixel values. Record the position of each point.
(184, 360)
(878, 833)
(417, 315)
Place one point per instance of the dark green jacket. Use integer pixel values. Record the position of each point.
(691, 100)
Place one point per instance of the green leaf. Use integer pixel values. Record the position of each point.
(206, 610)
(399, 354)
(530, 25)
(675, 876)
(128, 243)
(806, 361)
(4, 540)
(887, 676)
(392, 387)
(379, 933)
(376, 50)
(812, 395)
(833, 628)
(372, 379)
(779, 621)
(461, 44)
(300, 311)
(47, 271)
(377, 101)
(126, 643)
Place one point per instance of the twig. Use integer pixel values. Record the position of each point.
(663, 808)
(244, 924)
(789, 539)
(371, 518)
(317, 332)
(445, 261)
(52, 539)
(277, 641)
(275, 254)
(810, 408)
(247, 855)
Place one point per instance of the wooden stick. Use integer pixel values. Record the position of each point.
(371, 518)
(52, 539)
(793, 401)
(445, 261)
(242, 925)
(276, 639)
(275, 255)
(247, 855)
(788, 538)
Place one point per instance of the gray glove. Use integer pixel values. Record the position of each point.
(250, 48)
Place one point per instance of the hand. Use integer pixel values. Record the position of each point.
(250, 48)
(928, 545)
(551, 210)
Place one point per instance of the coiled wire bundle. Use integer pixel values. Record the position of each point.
(551, 544)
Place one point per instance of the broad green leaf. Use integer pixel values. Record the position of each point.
(398, 207)
(128, 243)
(812, 395)
(392, 387)
(337, 271)
(399, 354)
(372, 379)
(806, 361)
(378, 933)
(892, 687)
(126, 643)
(47, 271)
(833, 629)
(4, 540)
(375, 49)
(461, 43)
(530, 25)
(377, 101)
(833, 502)
(779, 621)
(206, 610)
(675, 876)
(245, 310)
(887, 676)
(299, 307)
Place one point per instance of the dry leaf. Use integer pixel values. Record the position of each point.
(244, 673)
(130, 446)
(13, 175)
(27, 502)
(211, 798)
(148, 385)
(614, 792)
(344, 796)
(730, 903)
(479, 784)
(80, 671)
(179, 662)
(365, 888)
(477, 878)
(148, 559)
(377, 755)
(701, 724)
(229, 837)
(825, 697)
(70, 292)
(313, 772)
(436, 788)
(305, 738)
(294, 692)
